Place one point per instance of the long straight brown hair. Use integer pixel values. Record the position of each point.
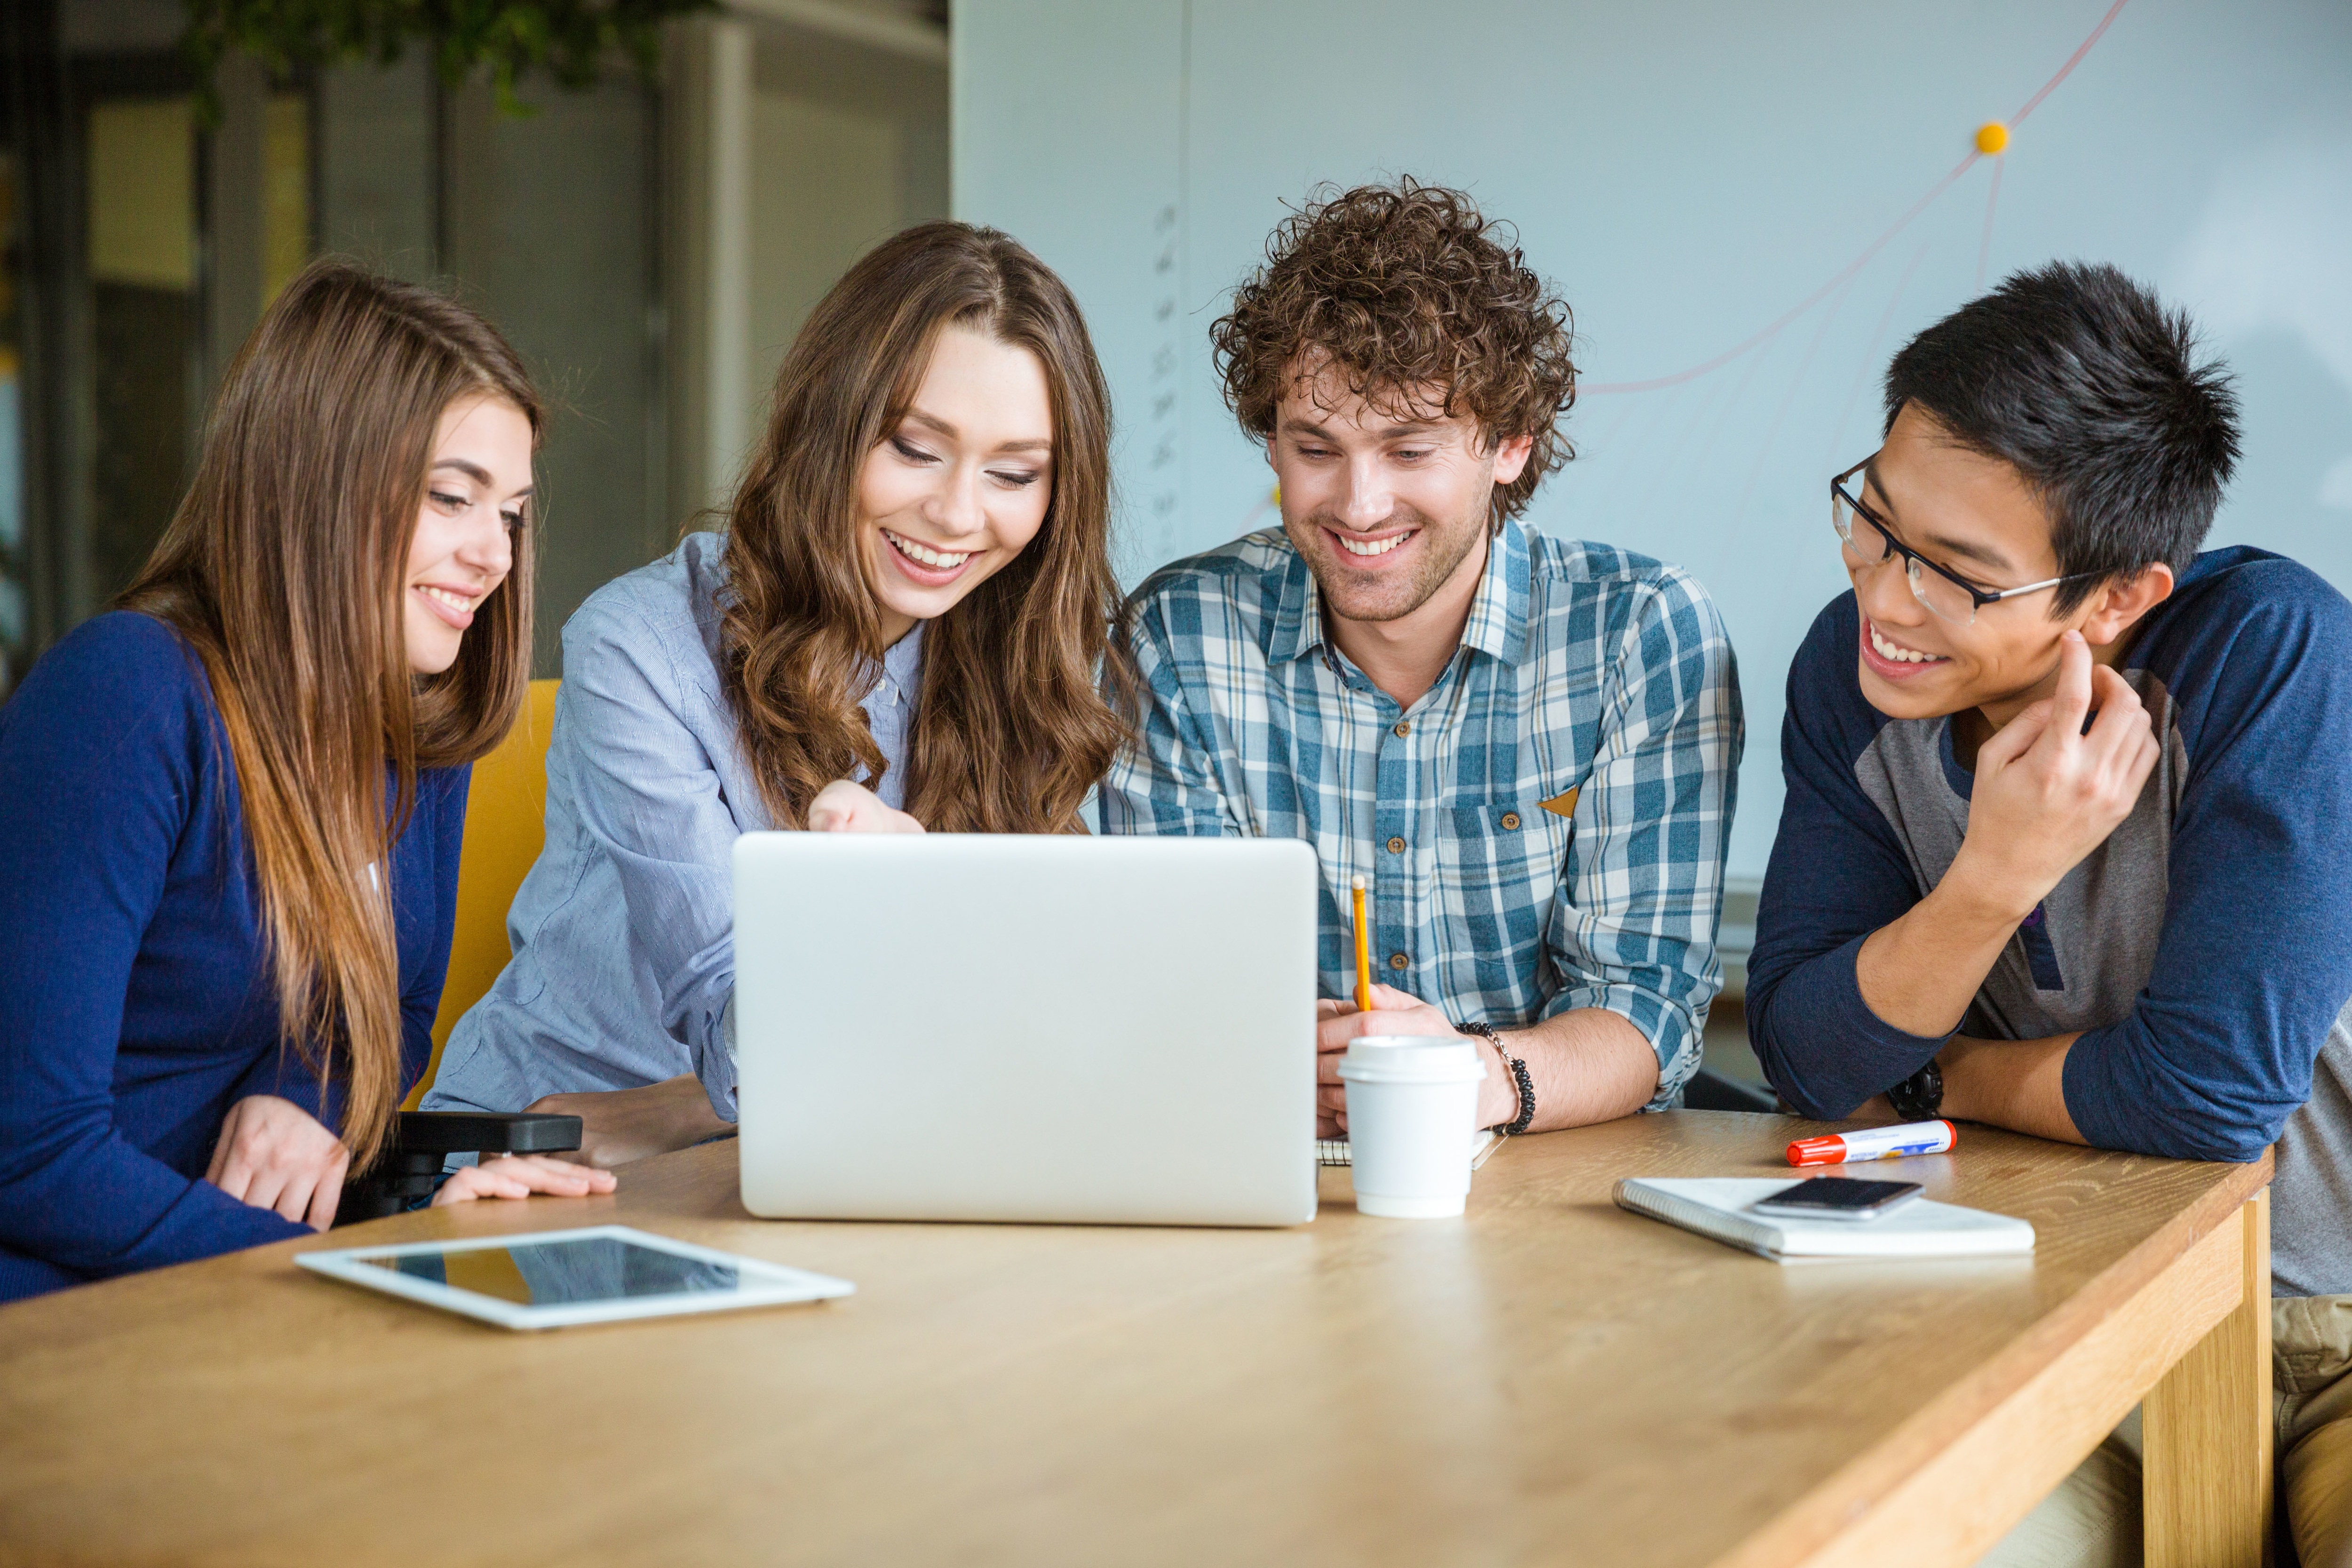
(285, 570)
(1011, 730)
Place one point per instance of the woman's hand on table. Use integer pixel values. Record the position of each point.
(618, 1125)
(1337, 1024)
(522, 1176)
(844, 807)
(273, 1154)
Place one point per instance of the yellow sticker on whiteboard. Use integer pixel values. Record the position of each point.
(1560, 804)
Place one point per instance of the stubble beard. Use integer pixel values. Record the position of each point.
(1358, 594)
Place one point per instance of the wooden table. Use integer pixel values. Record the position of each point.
(1548, 1379)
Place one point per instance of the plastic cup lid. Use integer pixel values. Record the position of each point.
(1411, 1058)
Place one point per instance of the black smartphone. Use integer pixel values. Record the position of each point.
(1838, 1198)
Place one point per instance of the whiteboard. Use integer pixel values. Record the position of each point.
(1695, 177)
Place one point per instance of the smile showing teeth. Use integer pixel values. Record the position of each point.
(1894, 653)
(940, 559)
(1373, 547)
(443, 596)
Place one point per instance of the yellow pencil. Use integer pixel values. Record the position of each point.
(1363, 951)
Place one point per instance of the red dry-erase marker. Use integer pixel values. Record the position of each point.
(1873, 1143)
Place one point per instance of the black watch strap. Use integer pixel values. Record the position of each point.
(1920, 1097)
(1518, 1071)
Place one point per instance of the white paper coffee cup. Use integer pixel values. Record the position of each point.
(1412, 1115)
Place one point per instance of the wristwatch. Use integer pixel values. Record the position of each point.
(1518, 1071)
(1919, 1096)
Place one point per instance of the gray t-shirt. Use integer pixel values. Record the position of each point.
(2083, 959)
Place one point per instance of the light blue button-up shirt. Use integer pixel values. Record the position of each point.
(624, 968)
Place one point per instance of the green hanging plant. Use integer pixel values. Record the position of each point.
(568, 39)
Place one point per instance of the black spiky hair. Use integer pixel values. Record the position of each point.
(2080, 379)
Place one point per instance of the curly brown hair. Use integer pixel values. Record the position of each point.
(1404, 288)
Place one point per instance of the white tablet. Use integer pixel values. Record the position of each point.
(553, 1279)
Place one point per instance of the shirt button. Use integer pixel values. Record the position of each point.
(1403, 728)
(1396, 846)
(1399, 961)
(1510, 822)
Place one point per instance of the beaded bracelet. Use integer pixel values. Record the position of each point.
(1518, 1071)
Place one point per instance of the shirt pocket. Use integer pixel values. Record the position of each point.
(1497, 868)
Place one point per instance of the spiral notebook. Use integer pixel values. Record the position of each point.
(1334, 1151)
(1719, 1207)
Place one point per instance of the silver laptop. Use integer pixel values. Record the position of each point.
(967, 1026)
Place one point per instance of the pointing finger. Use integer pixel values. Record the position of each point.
(2073, 699)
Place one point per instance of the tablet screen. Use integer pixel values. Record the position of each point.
(563, 1271)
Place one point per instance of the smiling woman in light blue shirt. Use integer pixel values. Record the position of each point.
(900, 628)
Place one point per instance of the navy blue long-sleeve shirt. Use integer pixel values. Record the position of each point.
(2204, 950)
(136, 1004)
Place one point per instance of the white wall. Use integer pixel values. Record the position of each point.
(1687, 173)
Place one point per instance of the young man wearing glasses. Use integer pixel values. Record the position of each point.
(1527, 745)
(2068, 836)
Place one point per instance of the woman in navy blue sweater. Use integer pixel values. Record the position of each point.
(228, 857)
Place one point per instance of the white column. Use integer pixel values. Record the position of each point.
(707, 260)
(727, 145)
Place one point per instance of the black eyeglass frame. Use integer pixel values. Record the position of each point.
(1978, 597)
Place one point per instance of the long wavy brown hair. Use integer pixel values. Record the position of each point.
(1011, 732)
(283, 570)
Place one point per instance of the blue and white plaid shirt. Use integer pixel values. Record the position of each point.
(1545, 829)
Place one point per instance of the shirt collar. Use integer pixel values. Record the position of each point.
(1498, 613)
(1297, 610)
(902, 661)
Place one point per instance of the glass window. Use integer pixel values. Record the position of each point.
(144, 320)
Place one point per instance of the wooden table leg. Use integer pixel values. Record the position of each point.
(2207, 1485)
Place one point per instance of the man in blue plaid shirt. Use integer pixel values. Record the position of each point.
(1526, 747)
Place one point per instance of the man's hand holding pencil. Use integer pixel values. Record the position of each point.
(1376, 1010)
(1336, 1024)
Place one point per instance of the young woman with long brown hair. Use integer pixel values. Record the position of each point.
(228, 859)
(902, 627)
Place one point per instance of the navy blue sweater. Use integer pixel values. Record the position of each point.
(135, 1002)
(2205, 949)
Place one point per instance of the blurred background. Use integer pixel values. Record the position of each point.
(1748, 207)
(649, 246)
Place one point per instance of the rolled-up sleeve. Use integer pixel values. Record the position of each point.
(1635, 935)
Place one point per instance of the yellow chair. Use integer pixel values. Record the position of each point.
(506, 827)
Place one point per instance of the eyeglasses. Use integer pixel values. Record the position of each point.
(1947, 595)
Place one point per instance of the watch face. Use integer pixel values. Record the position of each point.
(1921, 1096)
